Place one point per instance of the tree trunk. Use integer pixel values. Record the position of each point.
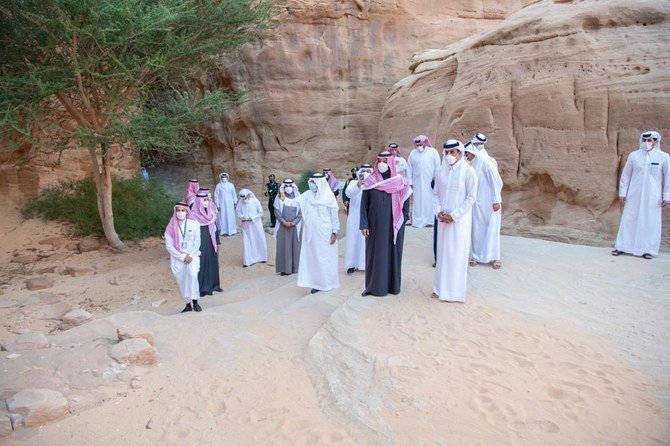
(103, 186)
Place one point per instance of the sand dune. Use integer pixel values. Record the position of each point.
(564, 345)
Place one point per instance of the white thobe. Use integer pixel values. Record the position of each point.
(423, 166)
(486, 221)
(254, 246)
(354, 252)
(318, 258)
(225, 198)
(455, 192)
(645, 182)
(186, 275)
(403, 168)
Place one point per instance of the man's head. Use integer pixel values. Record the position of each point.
(479, 140)
(316, 180)
(271, 177)
(453, 151)
(394, 149)
(650, 140)
(181, 210)
(470, 152)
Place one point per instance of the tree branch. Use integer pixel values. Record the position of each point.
(76, 114)
(84, 95)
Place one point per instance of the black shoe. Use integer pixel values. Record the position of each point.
(187, 308)
(209, 293)
(350, 271)
(245, 266)
(434, 263)
(218, 289)
(314, 291)
(282, 274)
(196, 305)
(203, 294)
(366, 293)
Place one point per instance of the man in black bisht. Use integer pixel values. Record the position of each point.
(204, 212)
(384, 211)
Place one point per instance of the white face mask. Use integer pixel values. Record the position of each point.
(181, 215)
(313, 187)
(288, 189)
(224, 179)
(648, 145)
(421, 148)
(451, 159)
(383, 167)
(205, 203)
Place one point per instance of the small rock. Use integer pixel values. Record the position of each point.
(124, 376)
(158, 303)
(72, 246)
(124, 333)
(89, 244)
(39, 283)
(6, 424)
(13, 355)
(136, 383)
(27, 341)
(36, 407)
(55, 242)
(134, 351)
(44, 270)
(75, 317)
(114, 281)
(76, 271)
(60, 256)
(135, 300)
(25, 259)
(53, 312)
(44, 297)
(6, 303)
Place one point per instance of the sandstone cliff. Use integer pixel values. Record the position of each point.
(562, 89)
(319, 83)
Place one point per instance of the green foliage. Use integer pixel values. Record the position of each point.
(102, 63)
(141, 209)
(304, 177)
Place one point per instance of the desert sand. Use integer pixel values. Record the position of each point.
(564, 345)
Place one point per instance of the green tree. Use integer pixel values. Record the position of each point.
(106, 74)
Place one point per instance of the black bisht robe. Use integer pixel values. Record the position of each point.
(383, 259)
(208, 276)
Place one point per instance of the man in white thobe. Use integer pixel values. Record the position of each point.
(401, 165)
(454, 194)
(225, 198)
(486, 214)
(423, 161)
(479, 142)
(250, 213)
(354, 252)
(644, 189)
(182, 241)
(318, 252)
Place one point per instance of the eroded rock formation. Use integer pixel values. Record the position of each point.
(562, 89)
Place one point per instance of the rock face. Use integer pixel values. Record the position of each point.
(319, 82)
(562, 89)
(35, 407)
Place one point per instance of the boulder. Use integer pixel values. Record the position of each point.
(75, 317)
(76, 271)
(53, 311)
(25, 259)
(89, 244)
(55, 242)
(38, 283)
(134, 351)
(6, 424)
(27, 341)
(134, 333)
(36, 407)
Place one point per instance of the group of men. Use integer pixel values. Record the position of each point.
(458, 194)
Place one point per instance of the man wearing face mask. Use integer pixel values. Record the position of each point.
(250, 213)
(226, 199)
(287, 231)
(401, 165)
(332, 181)
(644, 188)
(271, 189)
(204, 213)
(384, 208)
(486, 218)
(454, 194)
(354, 252)
(423, 163)
(318, 250)
(182, 241)
(479, 143)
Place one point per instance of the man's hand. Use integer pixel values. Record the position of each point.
(365, 232)
(333, 238)
(188, 259)
(441, 216)
(665, 203)
(623, 200)
(360, 183)
(496, 207)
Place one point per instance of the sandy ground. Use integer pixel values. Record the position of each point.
(564, 345)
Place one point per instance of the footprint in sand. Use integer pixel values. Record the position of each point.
(563, 394)
(539, 426)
